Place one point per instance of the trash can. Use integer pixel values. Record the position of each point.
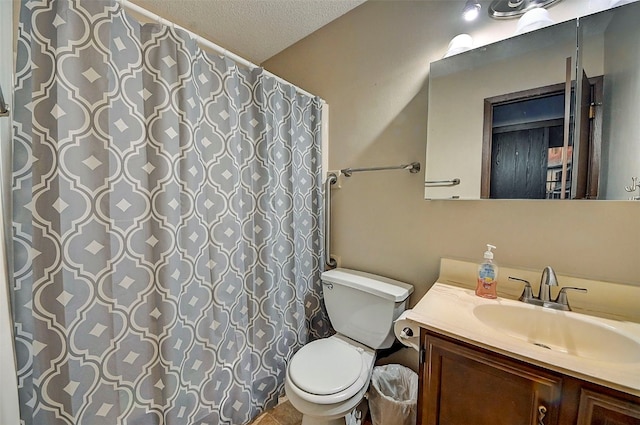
(393, 397)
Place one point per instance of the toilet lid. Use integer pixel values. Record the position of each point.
(325, 366)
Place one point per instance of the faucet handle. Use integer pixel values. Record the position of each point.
(562, 295)
(527, 292)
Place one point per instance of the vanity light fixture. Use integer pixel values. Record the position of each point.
(458, 44)
(471, 10)
(534, 19)
(508, 9)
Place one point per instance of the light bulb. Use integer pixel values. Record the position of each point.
(471, 10)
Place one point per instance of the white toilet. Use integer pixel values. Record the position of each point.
(327, 378)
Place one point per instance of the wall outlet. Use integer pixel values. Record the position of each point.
(337, 184)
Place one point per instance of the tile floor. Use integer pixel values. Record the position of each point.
(285, 414)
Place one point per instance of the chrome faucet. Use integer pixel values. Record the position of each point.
(547, 280)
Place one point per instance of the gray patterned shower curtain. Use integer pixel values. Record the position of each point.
(166, 224)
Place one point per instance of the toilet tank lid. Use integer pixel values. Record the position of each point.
(377, 285)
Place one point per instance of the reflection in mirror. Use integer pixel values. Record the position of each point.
(528, 148)
(458, 87)
(524, 86)
(609, 45)
(524, 154)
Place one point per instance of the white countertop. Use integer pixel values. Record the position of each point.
(449, 310)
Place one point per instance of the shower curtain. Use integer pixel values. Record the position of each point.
(166, 224)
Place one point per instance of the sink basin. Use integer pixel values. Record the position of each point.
(596, 349)
(566, 332)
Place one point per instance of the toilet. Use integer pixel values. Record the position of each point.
(327, 379)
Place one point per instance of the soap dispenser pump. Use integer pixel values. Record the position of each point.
(487, 276)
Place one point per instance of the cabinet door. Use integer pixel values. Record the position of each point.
(600, 409)
(461, 385)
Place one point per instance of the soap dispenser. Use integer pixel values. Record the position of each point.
(487, 276)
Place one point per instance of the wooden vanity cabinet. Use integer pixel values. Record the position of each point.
(461, 384)
(600, 409)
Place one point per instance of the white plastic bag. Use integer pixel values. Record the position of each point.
(393, 397)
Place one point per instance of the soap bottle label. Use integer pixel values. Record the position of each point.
(487, 275)
(486, 286)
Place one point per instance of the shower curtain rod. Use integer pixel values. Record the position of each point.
(208, 44)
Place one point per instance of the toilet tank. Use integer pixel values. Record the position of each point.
(363, 306)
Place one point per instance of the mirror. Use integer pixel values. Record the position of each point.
(526, 88)
(609, 46)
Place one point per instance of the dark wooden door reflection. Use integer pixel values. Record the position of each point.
(527, 163)
(525, 154)
(518, 164)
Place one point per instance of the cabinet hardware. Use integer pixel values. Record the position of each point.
(435, 183)
(542, 412)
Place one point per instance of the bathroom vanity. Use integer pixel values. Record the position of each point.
(506, 362)
(461, 382)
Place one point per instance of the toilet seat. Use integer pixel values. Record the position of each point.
(326, 366)
(334, 366)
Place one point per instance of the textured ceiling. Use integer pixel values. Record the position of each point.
(253, 29)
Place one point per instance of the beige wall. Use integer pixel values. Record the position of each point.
(371, 66)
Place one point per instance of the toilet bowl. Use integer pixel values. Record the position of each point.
(328, 378)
